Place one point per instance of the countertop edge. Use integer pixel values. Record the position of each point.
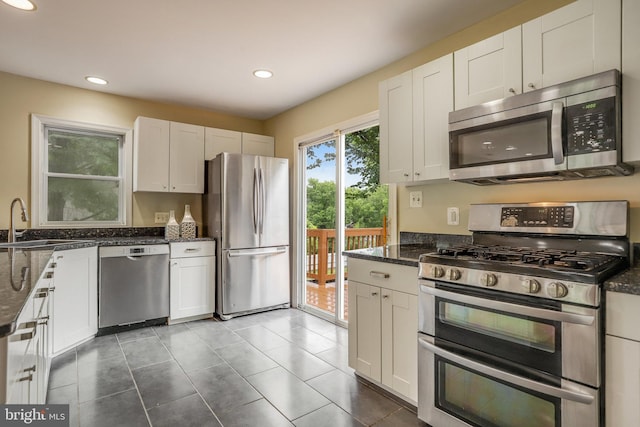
(627, 282)
(401, 261)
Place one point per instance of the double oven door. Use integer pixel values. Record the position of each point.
(491, 360)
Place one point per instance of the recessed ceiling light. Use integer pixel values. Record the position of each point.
(21, 4)
(96, 80)
(263, 74)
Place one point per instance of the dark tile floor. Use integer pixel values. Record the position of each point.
(279, 368)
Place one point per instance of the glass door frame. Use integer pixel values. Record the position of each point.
(338, 133)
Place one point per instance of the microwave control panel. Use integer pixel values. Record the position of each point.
(534, 216)
(591, 126)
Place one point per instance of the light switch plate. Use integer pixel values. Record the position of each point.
(415, 199)
(161, 217)
(453, 216)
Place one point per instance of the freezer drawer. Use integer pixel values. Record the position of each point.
(253, 279)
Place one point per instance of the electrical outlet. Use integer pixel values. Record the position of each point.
(415, 199)
(162, 217)
(453, 216)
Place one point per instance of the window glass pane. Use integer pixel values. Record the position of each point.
(510, 328)
(82, 200)
(83, 154)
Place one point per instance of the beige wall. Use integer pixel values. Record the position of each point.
(361, 96)
(20, 97)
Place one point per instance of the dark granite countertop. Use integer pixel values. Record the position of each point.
(405, 254)
(627, 282)
(19, 273)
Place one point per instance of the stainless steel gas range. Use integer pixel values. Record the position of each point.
(510, 326)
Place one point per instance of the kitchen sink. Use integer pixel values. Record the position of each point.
(31, 244)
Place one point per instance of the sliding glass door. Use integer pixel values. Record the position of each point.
(343, 207)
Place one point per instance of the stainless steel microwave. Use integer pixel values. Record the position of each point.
(567, 131)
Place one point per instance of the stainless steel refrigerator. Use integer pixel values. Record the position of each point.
(247, 211)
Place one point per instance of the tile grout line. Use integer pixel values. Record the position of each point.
(189, 378)
(135, 384)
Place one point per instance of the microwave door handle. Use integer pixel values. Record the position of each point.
(549, 390)
(540, 313)
(556, 132)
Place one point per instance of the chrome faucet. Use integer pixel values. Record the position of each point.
(25, 217)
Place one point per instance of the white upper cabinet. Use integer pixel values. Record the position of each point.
(168, 156)
(490, 69)
(396, 136)
(432, 102)
(221, 141)
(259, 145)
(631, 82)
(414, 109)
(574, 41)
(186, 162)
(151, 154)
(229, 141)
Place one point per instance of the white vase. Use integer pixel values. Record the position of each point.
(188, 224)
(172, 229)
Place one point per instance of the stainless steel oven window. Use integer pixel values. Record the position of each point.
(483, 401)
(519, 330)
(523, 140)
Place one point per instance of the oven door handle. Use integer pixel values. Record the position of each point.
(549, 390)
(540, 313)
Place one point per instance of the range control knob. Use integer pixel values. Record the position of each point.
(557, 290)
(437, 272)
(531, 286)
(489, 279)
(453, 274)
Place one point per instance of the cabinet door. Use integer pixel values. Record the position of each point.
(432, 102)
(399, 343)
(574, 41)
(75, 300)
(221, 140)
(364, 329)
(186, 162)
(192, 287)
(396, 136)
(631, 81)
(488, 70)
(258, 145)
(150, 155)
(623, 382)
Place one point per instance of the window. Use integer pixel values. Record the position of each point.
(80, 174)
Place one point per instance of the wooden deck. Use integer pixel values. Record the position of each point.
(324, 296)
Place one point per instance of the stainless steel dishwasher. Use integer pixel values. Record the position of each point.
(134, 284)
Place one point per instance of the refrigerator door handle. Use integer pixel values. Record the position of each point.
(263, 199)
(266, 251)
(256, 190)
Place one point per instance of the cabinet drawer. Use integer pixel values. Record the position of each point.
(401, 278)
(623, 315)
(192, 249)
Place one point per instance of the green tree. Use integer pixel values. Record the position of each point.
(321, 204)
(82, 154)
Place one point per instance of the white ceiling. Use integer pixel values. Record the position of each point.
(202, 53)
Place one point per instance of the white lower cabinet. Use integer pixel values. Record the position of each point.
(75, 301)
(192, 280)
(622, 352)
(26, 353)
(383, 322)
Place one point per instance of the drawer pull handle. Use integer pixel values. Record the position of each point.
(27, 378)
(24, 336)
(49, 275)
(386, 296)
(192, 250)
(30, 369)
(379, 274)
(374, 294)
(53, 265)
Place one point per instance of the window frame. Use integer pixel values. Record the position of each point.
(39, 172)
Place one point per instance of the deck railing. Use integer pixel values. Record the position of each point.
(321, 249)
